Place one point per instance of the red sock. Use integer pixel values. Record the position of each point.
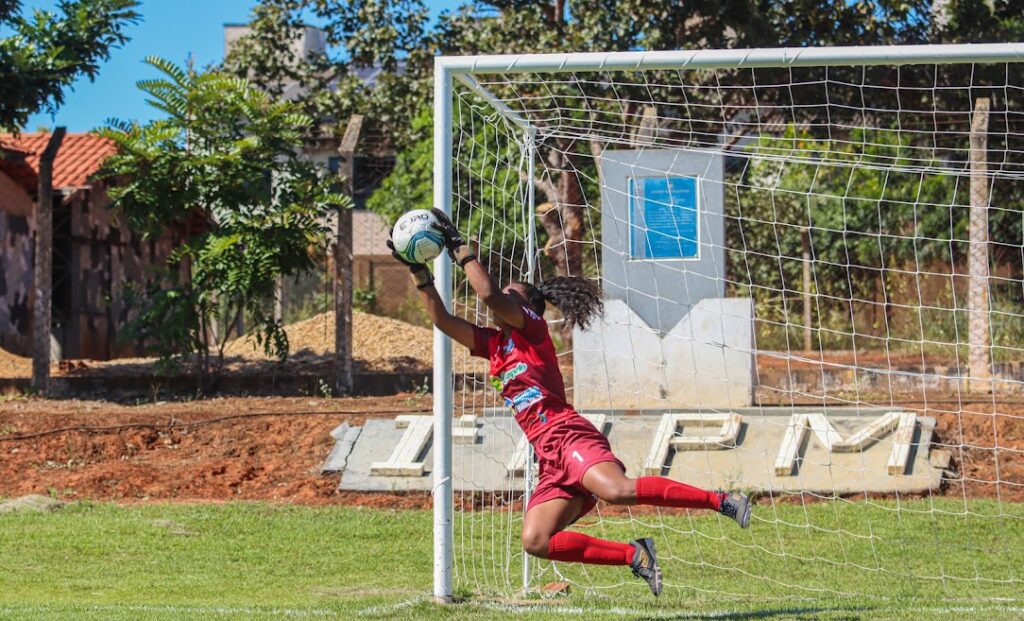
(662, 492)
(579, 548)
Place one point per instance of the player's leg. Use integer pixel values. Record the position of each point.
(544, 536)
(547, 519)
(607, 481)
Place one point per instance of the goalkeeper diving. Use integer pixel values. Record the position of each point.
(576, 464)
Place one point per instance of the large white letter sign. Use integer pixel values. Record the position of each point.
(901, 422)
(402, 461)
(418, 429)
(668, 437)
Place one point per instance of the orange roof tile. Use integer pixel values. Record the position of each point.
(80, 155)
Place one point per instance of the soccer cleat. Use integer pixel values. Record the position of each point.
(737, 506)
(645, 564)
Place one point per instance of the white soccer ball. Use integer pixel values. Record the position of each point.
(415, 238)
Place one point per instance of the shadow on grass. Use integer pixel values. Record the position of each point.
(556, 608)
(832, 614)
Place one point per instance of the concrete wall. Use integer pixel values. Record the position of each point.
(705, 360)
(669, 338)
(661, 291)
(95, 259)
(15, 281)
(14, 200)
(105, 259)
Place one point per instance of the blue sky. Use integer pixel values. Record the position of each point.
(172, 29)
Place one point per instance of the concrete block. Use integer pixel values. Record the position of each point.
(339, 431)
(484, 466)
(481, 465)
(345, 437)
(661, 291)
(405, 457)
(704, 361)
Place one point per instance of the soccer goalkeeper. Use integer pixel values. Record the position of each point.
(577, 465)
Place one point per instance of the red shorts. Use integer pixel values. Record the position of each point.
(564, 454)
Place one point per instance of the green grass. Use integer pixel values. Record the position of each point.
(929, 560)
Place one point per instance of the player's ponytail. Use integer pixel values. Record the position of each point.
(578, 299)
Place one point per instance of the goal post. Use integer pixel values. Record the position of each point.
(821, 149)
(443, 384)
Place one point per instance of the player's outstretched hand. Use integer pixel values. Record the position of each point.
(452, 238)
(458, 249)
(394, 253)
(420, 273)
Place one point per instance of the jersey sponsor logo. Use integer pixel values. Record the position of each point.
(513, 373)
(499, 383)
(524, 399)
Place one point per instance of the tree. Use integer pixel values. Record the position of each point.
(367, 81)
(224, 174)
(410, 184)
(43, 55)
(511, 26)
(875, 219)
(978, 21)
(382, 37)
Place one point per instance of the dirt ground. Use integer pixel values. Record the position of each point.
(272, 448)
(379, 345)
(212, 450)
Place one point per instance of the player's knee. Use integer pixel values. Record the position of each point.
(535, 542)
(620, 492)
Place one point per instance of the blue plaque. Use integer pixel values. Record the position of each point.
(663, 218)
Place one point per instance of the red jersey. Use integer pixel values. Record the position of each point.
(524, 367)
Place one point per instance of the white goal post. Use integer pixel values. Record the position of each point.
(452, 73)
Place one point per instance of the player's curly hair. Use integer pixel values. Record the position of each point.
(578, 299)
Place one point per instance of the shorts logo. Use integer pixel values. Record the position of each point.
(524, 399)
(577, 456)
(508, 347)
(513, 373)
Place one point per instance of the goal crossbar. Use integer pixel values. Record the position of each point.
(733, 59)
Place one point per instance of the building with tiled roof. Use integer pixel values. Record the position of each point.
(18, 183)
(79, 158)
(14, 165)
(94, 254)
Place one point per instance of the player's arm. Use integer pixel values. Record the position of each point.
(455, 327)
(502, 305)
(458, 328)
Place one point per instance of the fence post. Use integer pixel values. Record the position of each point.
(979, 356)
(805, 242)
(42, 277)
(343, 262)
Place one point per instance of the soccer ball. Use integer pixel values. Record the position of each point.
(415, 238)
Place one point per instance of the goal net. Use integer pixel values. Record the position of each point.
(812, 270)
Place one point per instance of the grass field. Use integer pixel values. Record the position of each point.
(260, 561)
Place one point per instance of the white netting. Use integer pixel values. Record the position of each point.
(845, 198)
